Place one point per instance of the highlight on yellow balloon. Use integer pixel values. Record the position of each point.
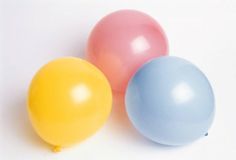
(69, 99)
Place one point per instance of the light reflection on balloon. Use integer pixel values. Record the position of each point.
(182, 93)
(80, 93)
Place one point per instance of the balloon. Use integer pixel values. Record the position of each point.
(170, 101)
(69, 99)
(121, 42)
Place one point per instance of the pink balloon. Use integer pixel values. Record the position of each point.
(121, 42)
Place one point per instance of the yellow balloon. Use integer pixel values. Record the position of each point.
(69, 99)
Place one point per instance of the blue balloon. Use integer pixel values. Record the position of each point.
(170, 101)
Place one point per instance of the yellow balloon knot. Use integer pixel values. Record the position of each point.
(56, 149)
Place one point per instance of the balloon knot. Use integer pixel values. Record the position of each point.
(56, 149)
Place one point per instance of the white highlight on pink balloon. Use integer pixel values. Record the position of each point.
(140, 44)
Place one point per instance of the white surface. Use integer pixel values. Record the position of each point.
(34, 32)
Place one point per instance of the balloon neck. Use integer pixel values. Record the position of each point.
(56, 149)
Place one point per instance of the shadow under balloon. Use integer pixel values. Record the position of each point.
(120, 124)
(19, 124)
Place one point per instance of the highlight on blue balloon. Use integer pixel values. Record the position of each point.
(170, 101)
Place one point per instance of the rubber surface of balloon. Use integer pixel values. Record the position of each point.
(121, 42)
(170, 101)
(69, 100)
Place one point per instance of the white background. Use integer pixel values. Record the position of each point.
(35, 31)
